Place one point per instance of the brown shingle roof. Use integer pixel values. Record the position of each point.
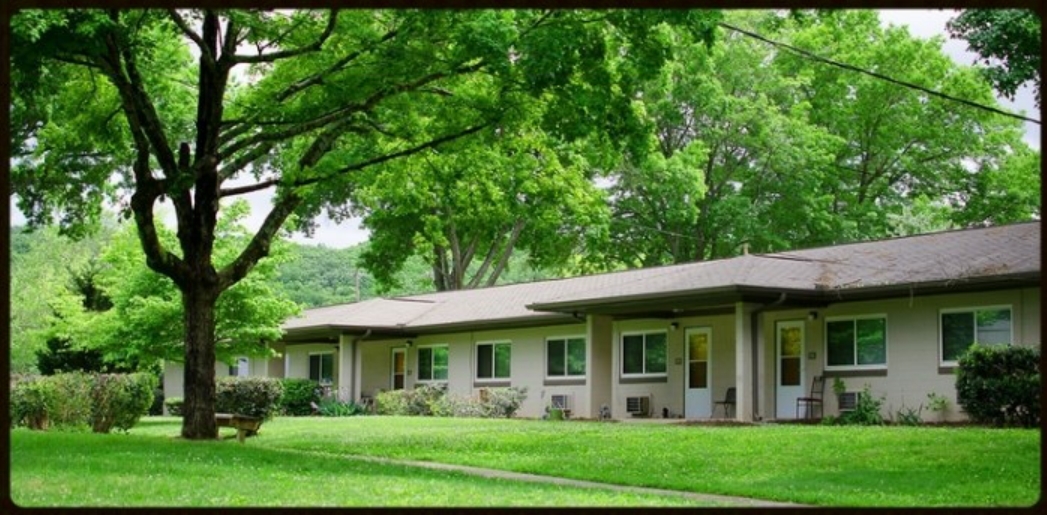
(952, 257)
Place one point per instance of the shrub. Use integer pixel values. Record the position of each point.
(504, 402)
(906, 416)
(120, 400)
(393, 402)
(331, 407)
(72, 402)
(157, 408)
(299, 394)
(435, 401)
(1000, 385)
(174, 405)
(866, 412)
(32, 401)
(250, 396)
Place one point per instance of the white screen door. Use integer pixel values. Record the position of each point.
(697, 397)
(789, 341)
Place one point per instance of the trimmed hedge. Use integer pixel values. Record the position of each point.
(174, 406)
(435, 401)
(32, 402)
(250, 396)
(1000, 385)
(120, 400)
(299, 394)
(77, 401)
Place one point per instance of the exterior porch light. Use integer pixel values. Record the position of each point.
(674, 325)
(812, 315)
(409, 343)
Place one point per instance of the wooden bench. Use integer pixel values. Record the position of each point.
(245, 425)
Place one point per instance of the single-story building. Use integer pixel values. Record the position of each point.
(893, 314)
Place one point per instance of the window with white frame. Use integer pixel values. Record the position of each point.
(565, 357)
(321, 367)
(962, 327)
(493, 360)
(856, 342)
(240, 367)
(644, 353)
(432, 363)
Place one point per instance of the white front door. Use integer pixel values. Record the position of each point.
(698, 402)
(789, 338)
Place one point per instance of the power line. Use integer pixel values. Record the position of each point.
(877, 75)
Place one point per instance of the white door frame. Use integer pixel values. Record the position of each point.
(785, 396)
(698, 402)
(392, 367)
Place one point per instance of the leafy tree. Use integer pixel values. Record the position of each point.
(329, 93)
(468, 209)
(1008, 41)
(735, 154)
(143, 324)
(43, 265)
(897, 144)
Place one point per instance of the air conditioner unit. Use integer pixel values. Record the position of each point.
(561, 401)
(638, 406)
(848, 401)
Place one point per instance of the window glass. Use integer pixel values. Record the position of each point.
(556, 364)
(320, 367)
(961, 329)
(576, 357)
(502, 360)
(840, 339)
(957, 334)
(484, 362)
(655, 358)
(492, 360)
(565, 357)
(994, 327)
(872, 341)
(425, 364)
(632, 354)
(440, 363)
(861, 341)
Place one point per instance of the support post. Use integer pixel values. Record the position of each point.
(345, 367)
(743, 362)
(599, 365)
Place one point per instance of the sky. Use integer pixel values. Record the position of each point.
(921, 23)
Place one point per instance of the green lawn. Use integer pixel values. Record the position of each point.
(828, 466)
(84, 469)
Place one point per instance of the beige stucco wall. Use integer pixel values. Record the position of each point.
(913, 346)
(174, 378)
(662, 395)
(297, 359)
(912, 356)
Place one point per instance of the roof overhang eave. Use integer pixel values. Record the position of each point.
(712, 296)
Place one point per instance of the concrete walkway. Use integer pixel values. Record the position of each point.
(534, 478)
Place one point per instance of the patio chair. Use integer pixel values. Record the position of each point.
(812, 400)
(729, 400)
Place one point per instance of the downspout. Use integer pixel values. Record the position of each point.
(753, 327)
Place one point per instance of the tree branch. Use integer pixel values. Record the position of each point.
(244, 160)
(342, 112)
(318, 78)
(507, 252)
(258, 247)
(268, 58)
(241, 190)
(205, 49)
(388, 157)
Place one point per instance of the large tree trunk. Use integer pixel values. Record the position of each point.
(198, 420)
